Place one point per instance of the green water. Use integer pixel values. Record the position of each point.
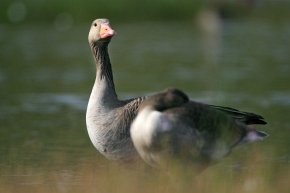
(46, 77)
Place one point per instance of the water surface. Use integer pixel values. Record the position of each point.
(46, 78)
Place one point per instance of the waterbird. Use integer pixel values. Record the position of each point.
(109, 119)
(169, 126)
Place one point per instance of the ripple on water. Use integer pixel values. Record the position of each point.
(45, 103)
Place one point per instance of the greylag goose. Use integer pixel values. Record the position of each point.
(109, 119)
(169, 125)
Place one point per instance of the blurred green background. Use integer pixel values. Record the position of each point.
(33, 11)
(122, 10)
(232, 53)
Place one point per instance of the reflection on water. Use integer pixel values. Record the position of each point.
(46, 77)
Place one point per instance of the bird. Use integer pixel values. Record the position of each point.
(109, 119)
(169, 126)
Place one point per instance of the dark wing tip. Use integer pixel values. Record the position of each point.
(250, 121)
(245, 117)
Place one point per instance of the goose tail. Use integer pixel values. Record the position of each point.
(253, 135)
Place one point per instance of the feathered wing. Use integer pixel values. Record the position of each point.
(222, 128)
(240, 127)
(244, 117)
(129, 111)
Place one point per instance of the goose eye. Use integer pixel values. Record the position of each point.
(95, 24)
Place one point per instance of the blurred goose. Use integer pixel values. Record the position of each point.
(109, 119)
(169, 125)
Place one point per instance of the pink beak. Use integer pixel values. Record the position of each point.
(106, 31)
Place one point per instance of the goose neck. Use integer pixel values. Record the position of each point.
(104, 79)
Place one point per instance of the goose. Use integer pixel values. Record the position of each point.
(169, 125)
(109, 119)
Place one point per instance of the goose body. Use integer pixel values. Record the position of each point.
(169, 125)
(109, 119)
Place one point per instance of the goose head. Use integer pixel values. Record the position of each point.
(100, 32)
(168, 98)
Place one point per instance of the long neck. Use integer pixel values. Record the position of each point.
(103, 64)
(104, 88)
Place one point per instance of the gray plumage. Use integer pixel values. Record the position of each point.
(109, 119)
(169, 125)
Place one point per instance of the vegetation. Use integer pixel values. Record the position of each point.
(128, 10)
(125, 10)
